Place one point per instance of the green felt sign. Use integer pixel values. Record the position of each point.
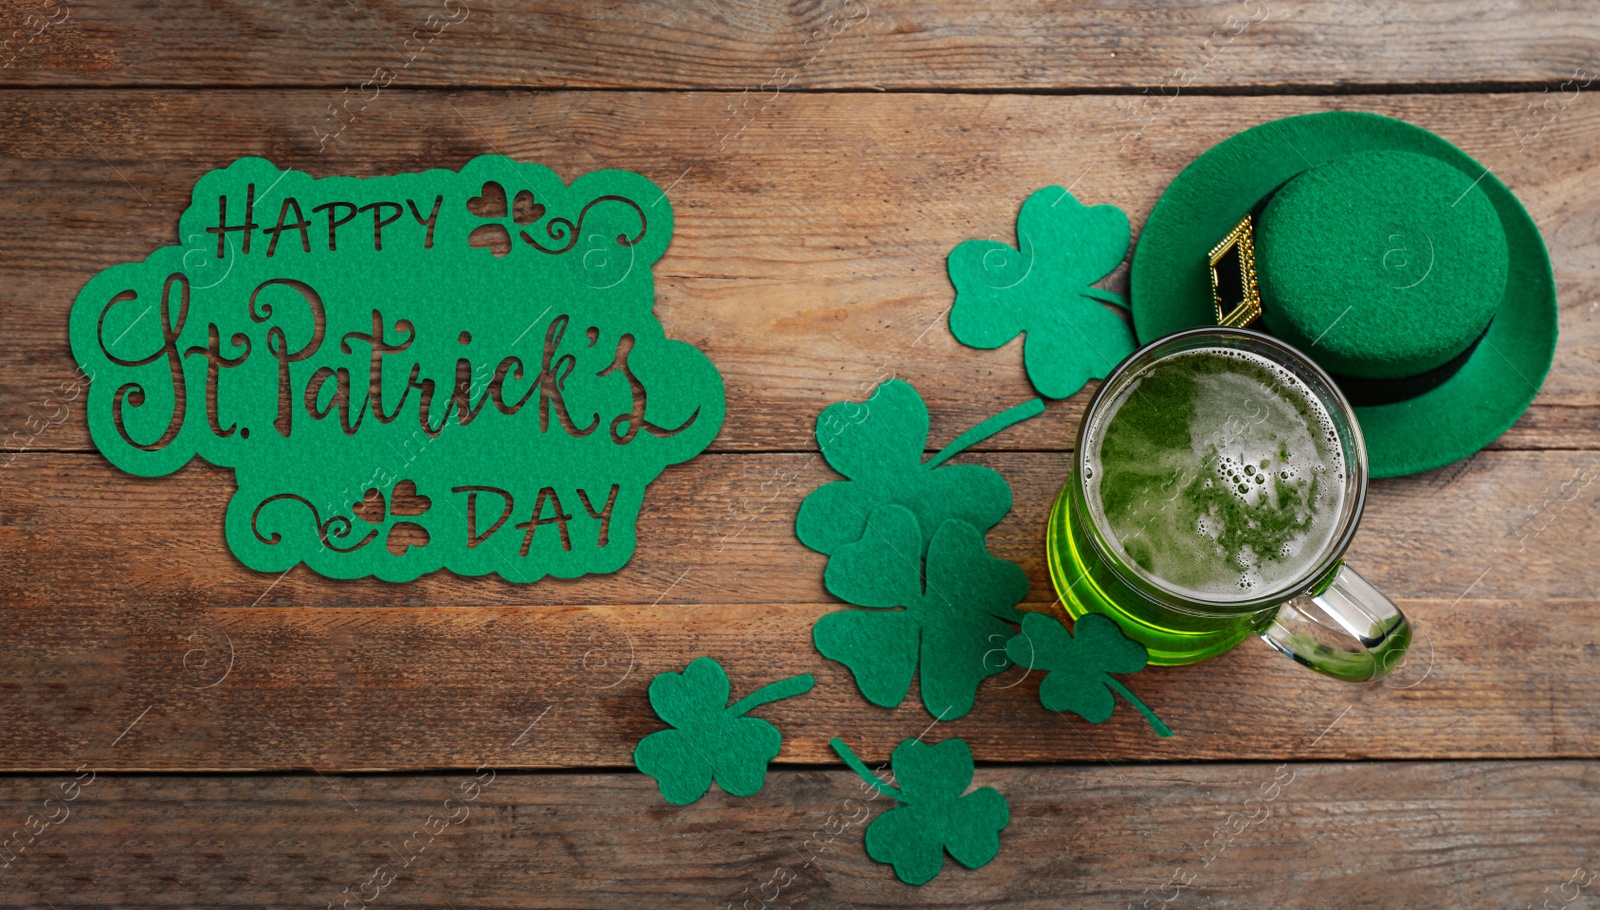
(1078, 665)
(711, 739)
(936, 814)
(444, 369)
(878, 445)
(1042, 287)
(955, 623)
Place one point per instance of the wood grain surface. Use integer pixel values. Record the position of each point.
(245, 739)
(1167, 47)
(1236, 836)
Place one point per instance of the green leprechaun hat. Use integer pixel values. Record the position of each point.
(1403, 267)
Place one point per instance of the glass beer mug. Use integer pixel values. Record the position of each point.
(1218, 479)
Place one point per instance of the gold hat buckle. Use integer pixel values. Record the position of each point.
(1239, 245)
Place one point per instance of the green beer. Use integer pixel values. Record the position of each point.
(1213, 477)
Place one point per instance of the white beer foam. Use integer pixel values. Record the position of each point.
(1272, 445)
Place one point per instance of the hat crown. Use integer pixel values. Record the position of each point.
(1382, 264)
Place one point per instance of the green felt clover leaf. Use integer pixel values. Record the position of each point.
(936, 815)
(710, 739)
(1078, 667)
(878, 444)
(1043, 288)
(954, 625)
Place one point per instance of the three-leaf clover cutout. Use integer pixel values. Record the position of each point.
(1078, 665)
(491, 203)
(404, 502)
(1043, 288)
(878, 444)
(951, 624)
(936, 815)
(710, 739)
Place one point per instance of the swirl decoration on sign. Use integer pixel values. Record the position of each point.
(562, 229)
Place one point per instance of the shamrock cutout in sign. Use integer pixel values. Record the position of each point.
(1079, 666)
(492, 204)
(404, 502)
(954, 625)
(878, 445)
(1043, 289)
(711, 739)
(936, 815)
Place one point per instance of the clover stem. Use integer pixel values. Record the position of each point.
(988, 428)
(1161, 729)
(783, 688)
(856, 765)
(1105, 296)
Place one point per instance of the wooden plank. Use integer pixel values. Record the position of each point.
(147, 688)
(124, 600)
(1229, 836)
(809, 257)
(78, 532)
(841, 44)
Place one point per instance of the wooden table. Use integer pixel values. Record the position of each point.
(240, 739)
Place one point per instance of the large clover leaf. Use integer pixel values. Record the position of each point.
(878, 444)
(711, 739)
(1079, 665)
(952, 625)
(1043, 288)
(935, 814)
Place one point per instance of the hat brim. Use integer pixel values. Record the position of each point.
(1171, 289)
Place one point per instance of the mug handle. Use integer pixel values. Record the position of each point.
(1347, 630)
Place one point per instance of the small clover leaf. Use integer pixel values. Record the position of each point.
(1078, 667)
(878, 445)
(948, 626)
(710, 739)
(1043, 288)
(936, 815)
